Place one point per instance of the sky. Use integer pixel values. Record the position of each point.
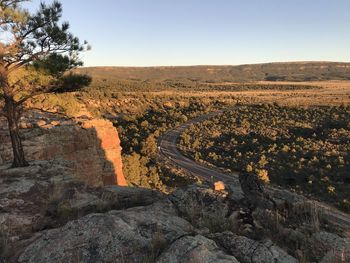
(209, 32)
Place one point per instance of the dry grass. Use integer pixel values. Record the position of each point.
(5, 243)
(292, 229)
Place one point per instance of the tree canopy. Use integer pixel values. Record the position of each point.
(38, 43)
(36, 51)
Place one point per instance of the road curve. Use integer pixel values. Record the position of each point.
(168, 149)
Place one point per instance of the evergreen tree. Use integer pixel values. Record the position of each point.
(35, 52)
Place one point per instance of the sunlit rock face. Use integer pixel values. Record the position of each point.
(92, 145)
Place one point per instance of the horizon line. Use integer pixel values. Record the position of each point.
(220, 65)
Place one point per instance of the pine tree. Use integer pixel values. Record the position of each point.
(36, 51)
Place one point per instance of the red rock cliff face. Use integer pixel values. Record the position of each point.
(92, 145)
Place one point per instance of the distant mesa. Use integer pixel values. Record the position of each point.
(281, 71)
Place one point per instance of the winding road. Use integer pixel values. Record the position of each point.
(168, 150)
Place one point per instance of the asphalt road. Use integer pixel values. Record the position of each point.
(168, 149)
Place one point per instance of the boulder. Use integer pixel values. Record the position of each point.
(250, 251)
(235, 191)
(337, 256)
(338, 248)
(195, 249)
(55, 123)
(200, 205)
(282, 197)
(133, 235)
(219, 186)
(25, 192)
(40, 123)
(331, 240)
(25, 125)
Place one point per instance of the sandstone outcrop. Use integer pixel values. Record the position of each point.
(92, 145)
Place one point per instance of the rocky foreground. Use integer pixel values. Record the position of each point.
(47, 215)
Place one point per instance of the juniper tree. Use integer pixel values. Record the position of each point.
(36, 51)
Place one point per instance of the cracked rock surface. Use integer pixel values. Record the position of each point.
(250, 251)
(195, 249)
(48, 216)
(132, 235)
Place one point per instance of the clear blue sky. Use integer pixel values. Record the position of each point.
(203, 32)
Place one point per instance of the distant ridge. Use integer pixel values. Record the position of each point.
(277, 71)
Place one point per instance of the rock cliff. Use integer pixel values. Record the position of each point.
(92, 145)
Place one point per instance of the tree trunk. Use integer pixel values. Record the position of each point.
(12, 118)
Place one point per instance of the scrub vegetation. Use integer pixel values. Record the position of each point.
(304, 149)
